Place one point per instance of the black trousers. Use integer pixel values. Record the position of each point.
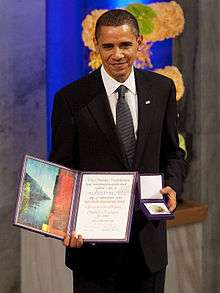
(151, 283)
(130, 275)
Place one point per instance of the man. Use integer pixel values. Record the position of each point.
(88, 134)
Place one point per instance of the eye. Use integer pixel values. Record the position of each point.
(126, 45)
(107, 46)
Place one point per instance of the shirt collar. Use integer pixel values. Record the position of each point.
(111, 84)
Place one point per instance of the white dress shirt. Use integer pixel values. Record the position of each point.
(111, 86)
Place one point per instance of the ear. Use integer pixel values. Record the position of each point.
(139, 41)
(96, 45)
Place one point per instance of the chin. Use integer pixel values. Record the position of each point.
(120, 78)
(120, 75)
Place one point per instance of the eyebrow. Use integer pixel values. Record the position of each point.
(126, 43)
(107, 45)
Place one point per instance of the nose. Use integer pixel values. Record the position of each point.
(118, 54)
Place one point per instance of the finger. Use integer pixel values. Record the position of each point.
(66, 240)
(73, 240)
(167, 190)
(171, 204)
(79, 242)
(171, 197)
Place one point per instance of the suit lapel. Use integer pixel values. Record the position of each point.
(145, 114)
(100, 110)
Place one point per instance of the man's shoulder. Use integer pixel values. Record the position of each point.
(81, 85)
(153, 77)
(80, 92)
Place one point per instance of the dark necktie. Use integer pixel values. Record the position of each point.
(125, 125)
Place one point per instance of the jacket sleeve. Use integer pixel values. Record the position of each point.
(172, 156)
(63, 133)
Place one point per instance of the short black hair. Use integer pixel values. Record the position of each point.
(116, 17)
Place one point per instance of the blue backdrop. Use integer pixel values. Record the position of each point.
(65, 49)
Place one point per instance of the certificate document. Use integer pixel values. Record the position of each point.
(105, 206)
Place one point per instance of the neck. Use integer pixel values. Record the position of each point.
(119, 78)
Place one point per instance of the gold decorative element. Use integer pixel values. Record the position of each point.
(94, 60)
(88, 25)
(168, 23)
(156, 209)
(174, 73)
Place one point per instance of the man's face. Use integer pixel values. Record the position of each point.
(118, 46)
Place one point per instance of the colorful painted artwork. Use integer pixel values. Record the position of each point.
(45, 197)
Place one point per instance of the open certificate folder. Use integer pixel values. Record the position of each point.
(54, 200)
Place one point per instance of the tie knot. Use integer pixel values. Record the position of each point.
(121, 90)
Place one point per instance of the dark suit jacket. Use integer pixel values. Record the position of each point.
(85, 138)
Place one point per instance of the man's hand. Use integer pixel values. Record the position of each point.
(171, 195)
(74, 241)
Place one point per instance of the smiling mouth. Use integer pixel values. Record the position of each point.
(119, 64)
